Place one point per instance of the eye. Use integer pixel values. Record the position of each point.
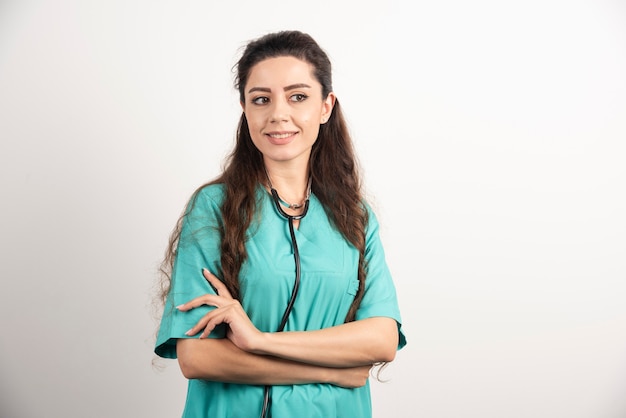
(260, 100)
(298, 97)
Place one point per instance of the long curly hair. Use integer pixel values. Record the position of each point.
(336, 180)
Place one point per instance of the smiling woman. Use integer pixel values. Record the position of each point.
(284, 108)
(279, 309)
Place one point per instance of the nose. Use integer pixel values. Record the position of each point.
(279, 111)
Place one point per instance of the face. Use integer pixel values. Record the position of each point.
(284, 108)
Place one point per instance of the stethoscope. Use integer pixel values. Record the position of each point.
(267, 399)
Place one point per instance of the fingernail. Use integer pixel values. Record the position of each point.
(179, 307)
(188, 332)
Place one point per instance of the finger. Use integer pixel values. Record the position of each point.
(208, 299)
(207, 324)
(217, 284)
(227, 313)
(196, 328)
(207, 330)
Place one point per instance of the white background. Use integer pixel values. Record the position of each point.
(492, 137)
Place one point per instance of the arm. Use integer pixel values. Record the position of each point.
(366, 341)
(220, 360)
(357, 343)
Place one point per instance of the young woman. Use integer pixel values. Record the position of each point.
(278, 299)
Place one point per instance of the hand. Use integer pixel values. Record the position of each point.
(351, 377)
(242, 331)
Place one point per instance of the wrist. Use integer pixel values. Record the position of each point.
(262, 344)
(329, 375)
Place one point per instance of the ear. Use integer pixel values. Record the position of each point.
(243, 107)
(327, 107)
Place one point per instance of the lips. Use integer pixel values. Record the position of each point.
(281, 138)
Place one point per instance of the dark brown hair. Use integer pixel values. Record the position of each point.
(335, 176)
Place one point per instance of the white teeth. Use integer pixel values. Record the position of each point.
(280, 136)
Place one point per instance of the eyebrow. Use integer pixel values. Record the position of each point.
(287, 88)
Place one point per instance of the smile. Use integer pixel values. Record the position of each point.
(281, 135)
(281, 138)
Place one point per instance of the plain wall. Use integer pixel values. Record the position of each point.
(492, 137)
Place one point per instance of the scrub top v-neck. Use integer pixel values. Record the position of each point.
(327, 287)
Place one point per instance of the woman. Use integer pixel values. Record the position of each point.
(282, 240)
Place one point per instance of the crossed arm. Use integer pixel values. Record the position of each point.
(340, 355)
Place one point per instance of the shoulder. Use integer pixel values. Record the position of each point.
(205, 201)
(372, 219)
(209, 195)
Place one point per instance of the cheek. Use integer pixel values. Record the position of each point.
(253, 121)
(311, 117)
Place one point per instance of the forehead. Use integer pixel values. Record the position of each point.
(280, 72)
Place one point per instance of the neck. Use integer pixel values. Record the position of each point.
(292, 189)
(291, 182)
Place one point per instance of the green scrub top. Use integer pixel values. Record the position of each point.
(328, 285)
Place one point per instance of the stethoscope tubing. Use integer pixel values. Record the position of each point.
(296, 285)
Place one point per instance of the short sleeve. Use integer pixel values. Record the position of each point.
(380, 297)
(198, 248)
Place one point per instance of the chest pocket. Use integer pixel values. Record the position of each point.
(353, 287)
